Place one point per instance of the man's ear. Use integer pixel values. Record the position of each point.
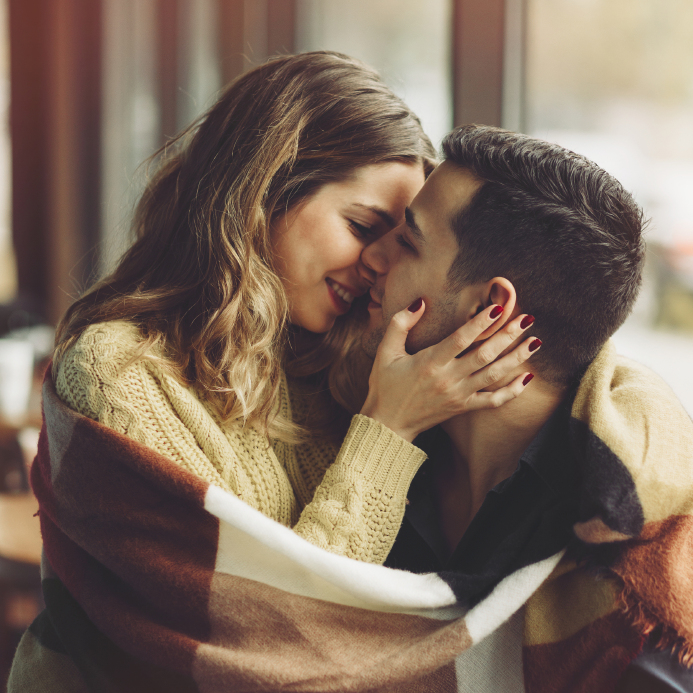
(501, 292)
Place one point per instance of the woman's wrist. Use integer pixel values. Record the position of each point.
(371, 412)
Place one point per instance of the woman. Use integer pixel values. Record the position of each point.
(246, 265)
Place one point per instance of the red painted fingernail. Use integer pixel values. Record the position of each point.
(527, 321)
(528, 377)
(497, 310)
(535, 345)
(416, 305)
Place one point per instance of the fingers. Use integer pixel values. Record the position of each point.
(398, 329)
(499, 342)
(498, 370)
(493, 400)
(465, 336)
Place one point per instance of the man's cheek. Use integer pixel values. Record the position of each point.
(401, 289)
(431, 328)
(416, 339)
(403, 299)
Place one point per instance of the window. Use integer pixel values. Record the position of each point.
(7, 264)
(613, 80)
(407, 41)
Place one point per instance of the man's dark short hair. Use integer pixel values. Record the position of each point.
(564, 231)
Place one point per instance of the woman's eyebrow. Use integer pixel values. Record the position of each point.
(413, 226)
(385, 216)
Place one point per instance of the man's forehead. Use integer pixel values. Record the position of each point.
(447, 191)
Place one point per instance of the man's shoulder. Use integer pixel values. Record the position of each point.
(619, 383)
(635, 443)
(619, 399)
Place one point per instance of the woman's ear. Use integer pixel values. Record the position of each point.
(501, 292)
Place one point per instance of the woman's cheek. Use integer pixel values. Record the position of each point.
(354, 250)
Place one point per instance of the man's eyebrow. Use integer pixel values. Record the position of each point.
(387, 218)
(413, 226)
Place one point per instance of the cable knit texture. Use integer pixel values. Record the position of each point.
(349, 501)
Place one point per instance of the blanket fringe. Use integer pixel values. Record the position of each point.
(648, 624)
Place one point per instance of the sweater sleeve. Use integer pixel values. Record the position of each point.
(358, 507)
(352, 500)
(95, 380)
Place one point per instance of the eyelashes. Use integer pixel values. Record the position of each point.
(360, 230)
(370, 233)
(401, 240)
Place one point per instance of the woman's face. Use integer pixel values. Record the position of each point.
(317, 245)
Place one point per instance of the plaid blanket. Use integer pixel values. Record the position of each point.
(156, 581)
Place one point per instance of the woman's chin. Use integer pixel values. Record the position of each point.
(316, 326)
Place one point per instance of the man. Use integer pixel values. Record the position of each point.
(536, 229)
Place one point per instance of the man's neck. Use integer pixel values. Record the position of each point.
(487, 445)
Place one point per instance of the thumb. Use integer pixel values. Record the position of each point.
(398, 329)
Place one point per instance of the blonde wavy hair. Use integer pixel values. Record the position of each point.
(199, 280)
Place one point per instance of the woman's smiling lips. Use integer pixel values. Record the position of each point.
(341, 296)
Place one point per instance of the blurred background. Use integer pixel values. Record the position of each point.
(90, 88)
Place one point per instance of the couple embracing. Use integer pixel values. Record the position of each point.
(347, 418)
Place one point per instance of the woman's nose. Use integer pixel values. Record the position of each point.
(374, 257)
(366, 274)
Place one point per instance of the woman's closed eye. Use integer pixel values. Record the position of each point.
(362, 231)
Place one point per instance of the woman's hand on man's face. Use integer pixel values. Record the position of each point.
(412, 393)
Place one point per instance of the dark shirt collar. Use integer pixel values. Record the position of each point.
(535, 504)
(548, 454)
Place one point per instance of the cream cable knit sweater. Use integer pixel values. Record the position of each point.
(349, 501)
